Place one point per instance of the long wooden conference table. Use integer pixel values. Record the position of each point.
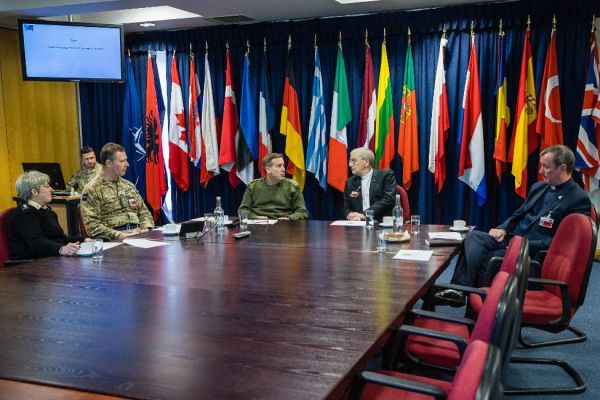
(291, 312)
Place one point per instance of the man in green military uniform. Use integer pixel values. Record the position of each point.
(111, 206)
(89, 169)
(274, 196)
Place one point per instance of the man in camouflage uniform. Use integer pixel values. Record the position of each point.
(274, 196)
(89, 169)
(111, 206)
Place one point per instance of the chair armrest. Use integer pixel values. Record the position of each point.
(442, 317)
(565, 299)
(465, 289)
(459, 341)
(404, 384)
(540, 256)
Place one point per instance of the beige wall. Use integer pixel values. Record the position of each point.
(38, 120)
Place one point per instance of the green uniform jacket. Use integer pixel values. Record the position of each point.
(82, 177)
(274, 201)
(105, 205)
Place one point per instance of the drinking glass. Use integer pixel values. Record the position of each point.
(243, 217)
(209, 222)
(381, 244)
(415, 223)
(97, 250)
(369, 219)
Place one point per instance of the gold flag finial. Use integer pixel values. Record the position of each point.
(593, 23)
(265, 45)
(315, 40)
(409, 35)
(340, 37)
(472, 29)
(384, 36)
(248, 45)
(206, 46)
(366, 37)
(289, 42)
(500, 30)
(444, 31)
(553, 22)
(128, 53)
(528, 22)
(227, 45)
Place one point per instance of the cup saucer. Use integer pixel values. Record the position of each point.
(386, 225)
(457, 229)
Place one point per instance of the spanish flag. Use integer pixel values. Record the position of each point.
(525, 139)
(290, 124)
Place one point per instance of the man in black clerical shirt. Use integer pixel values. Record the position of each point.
(537, 219)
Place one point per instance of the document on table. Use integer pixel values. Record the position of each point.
(413, 255)
(110, 245)
(343, 222)
(445, 235)
(144, 243)
(262, 221)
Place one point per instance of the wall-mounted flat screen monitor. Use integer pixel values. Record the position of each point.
(52, 169)
(65, 51)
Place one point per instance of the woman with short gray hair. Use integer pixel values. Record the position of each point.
(33, 228)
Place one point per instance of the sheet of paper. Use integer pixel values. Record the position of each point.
(227, 221)
(110, 245)
(348, 223)
(262, 221)
(445, 235)
(162, 229)
(144, 243)
(413, 255)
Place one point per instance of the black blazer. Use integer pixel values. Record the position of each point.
(381, 194)
(34, 233)
(570, 198)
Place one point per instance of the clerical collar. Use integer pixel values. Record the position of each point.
(367, 176)
(35, 204)
(560, 186)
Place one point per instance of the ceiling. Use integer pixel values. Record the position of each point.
(130, 13)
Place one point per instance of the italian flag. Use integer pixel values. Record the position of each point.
(341, 115)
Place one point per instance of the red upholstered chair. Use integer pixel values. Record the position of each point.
(564, 275)
(515, 262)
(4, 252)
(477, 377)
(404, 203)
(494, 324)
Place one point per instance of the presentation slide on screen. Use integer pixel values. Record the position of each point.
(84, 52)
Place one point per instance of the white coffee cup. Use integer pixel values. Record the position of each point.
(226, 219)
(459, 224)
(86, 248)
(170, 228)
(388, 220)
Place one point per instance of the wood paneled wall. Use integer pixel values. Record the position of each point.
(38, 120)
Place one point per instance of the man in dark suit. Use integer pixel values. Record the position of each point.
(537, 219)
(368, 188)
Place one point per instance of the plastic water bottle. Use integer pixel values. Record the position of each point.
(220, 217)
(398, 214)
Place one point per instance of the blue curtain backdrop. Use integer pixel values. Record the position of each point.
(102, 104)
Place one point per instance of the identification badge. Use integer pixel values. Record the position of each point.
(354, 195)
(546, 222)
(133, 203)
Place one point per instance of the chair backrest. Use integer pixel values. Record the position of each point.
(478, 376)
(594, 214)
(4, 251)
(404, 202)
(516, 262)
(489, 323)
(571, 255)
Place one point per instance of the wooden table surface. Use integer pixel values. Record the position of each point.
(291, 312)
